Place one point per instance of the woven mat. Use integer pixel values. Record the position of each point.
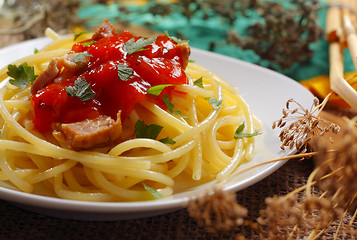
(20, 224)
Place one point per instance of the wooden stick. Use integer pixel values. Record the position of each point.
(351, 37)
(337, 82)
(334, 32)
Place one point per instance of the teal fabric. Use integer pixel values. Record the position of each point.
(201, 33)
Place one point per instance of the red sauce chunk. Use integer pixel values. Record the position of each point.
(161, 62)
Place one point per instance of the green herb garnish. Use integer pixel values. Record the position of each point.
(215, 103)
(154, 192)
(77, 35)
(177, 40)
(22, 75)
(35, 51)
(132, 46)
(142, 130)
(81, 89)
(156, 90)
(80, 56)
(198, 82)
(167, 140)
(170, 106)
(124, 72)
(240, 134)
(191, 61)
(86, 44)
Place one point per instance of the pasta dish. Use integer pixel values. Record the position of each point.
(115, 117)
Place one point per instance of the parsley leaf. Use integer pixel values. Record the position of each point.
(142, 130)
(170, 106)
(154, 192)
(156, 90)
(191, 61)
(35, 51)
(124, 72)
(198, 82)
(132, 46)
(80, 89)
(177, 40)
(77, 35)
(167, 140)
(215, 103)
(80, 56)
(240, 134)
(22, 75)
(88, 43)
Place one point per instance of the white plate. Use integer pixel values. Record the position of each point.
(265, 91)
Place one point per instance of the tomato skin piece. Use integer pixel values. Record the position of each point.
(158, 63)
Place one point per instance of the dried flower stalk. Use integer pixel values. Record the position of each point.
(300, 125)
(343, 162)
(287, 218)
(217, 212)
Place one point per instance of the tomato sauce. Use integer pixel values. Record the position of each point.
(159, 63)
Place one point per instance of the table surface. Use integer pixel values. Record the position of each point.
(17, 223)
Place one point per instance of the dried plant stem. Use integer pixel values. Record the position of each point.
(309, 181)
(335, 196)
(302, 155)
(340, 224)
(322, 105)
(353, 218)
(313, 234)
(302, 188)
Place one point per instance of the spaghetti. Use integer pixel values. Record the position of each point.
(196, 143)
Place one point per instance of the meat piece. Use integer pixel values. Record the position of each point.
(104, 30)
(46, 77)
(99, 132)
(185, 50)
(54, 68)
(74, 65)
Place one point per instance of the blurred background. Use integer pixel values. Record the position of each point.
(285, 35)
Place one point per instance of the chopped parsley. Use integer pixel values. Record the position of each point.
(240, 134)
(156, 90)
(22, 75)
(124, 72)
(77, 35)
(132, 46)
(81, 89)
(35, 51)
(177, 40)
(142, 130)
(154, 192)
(170, 106)
(88, 43)
(167, 140)
(80, 56)
(191, 61)
(215, 103)
(198, 82)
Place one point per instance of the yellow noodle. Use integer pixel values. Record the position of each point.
(136, 143)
